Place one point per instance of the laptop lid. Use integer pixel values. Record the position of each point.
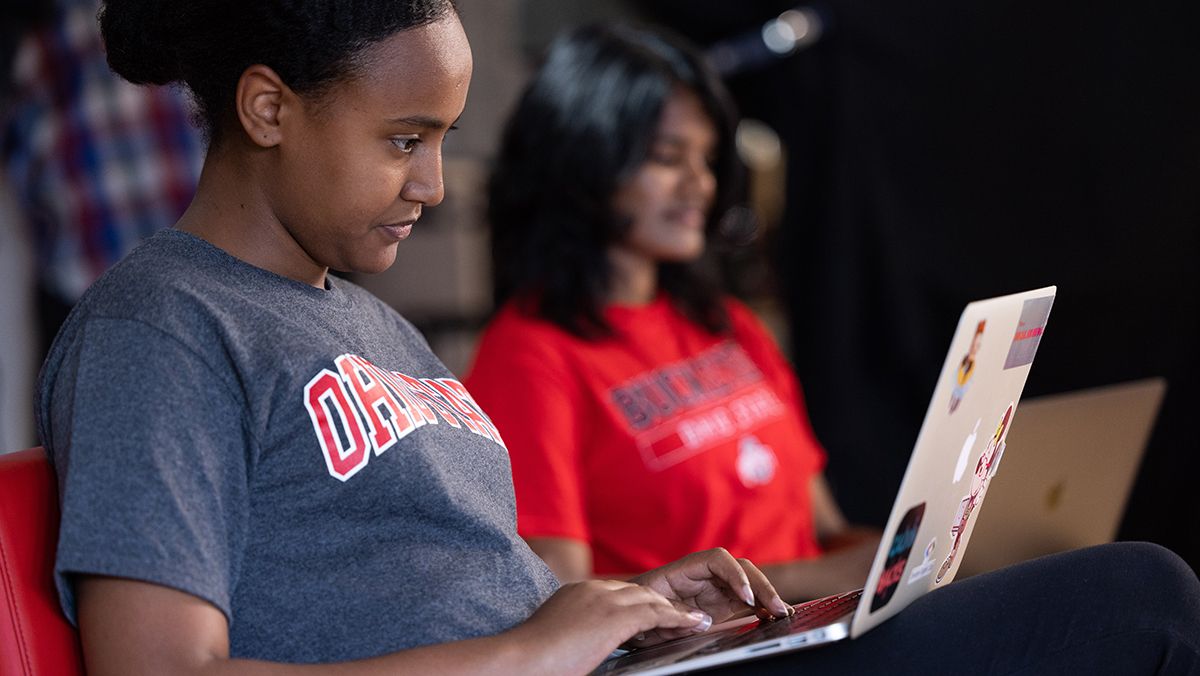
(957, 452)
(1070, 464)
(951, 465)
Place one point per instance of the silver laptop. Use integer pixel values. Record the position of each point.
(1071, 462)
(953, 461)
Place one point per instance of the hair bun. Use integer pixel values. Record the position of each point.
(141, 38)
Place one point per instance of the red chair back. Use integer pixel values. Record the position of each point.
(35, 637)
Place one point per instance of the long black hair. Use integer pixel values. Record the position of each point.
(583, 125)
(208, 44)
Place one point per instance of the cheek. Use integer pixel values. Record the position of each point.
(648, 191)
(364, 187)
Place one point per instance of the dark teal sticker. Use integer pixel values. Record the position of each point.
(897, 558)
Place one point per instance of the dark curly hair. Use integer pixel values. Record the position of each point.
(208, 44)
(584, 124)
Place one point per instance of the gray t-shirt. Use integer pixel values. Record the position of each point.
(295, 456)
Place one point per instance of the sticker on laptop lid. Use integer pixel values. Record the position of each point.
(966, 367)
(923, 569)
(1029, 331)
(989, 459)
(996, 460)
(897, 558)
(960, 467)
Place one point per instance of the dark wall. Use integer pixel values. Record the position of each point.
(943, 152)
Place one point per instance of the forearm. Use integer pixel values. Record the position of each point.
(843, 567)
(500, 654)
(130, 628)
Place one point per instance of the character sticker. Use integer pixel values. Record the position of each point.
(1029, 331)
(897, 558)
(966, 368)
(985, 469)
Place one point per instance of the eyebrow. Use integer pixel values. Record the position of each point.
(422, 121)
(676, 140)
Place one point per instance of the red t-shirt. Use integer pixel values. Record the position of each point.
(655, 443)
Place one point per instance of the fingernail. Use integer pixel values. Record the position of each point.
(781, 609)
(748, 595)
(704, 621)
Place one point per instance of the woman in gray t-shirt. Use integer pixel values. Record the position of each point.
(261, 464)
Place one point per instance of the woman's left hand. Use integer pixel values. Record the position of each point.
(716, 583)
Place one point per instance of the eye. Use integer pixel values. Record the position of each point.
(405, 144)
(666, 158)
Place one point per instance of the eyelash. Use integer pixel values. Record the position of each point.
(405, 145)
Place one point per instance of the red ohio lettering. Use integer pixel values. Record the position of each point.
(325, 398)
(430, 396)
(455, 393)
(388, 420)
(422, 414)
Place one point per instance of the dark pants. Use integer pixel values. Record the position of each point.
(1127, 608)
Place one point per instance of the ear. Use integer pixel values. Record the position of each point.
(261, 96)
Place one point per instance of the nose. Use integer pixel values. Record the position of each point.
(424, 183)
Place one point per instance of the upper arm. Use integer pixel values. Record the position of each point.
(151, 452)
(570, 560)
(129, 628)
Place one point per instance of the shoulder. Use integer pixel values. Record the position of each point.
(517, 340)
(753, 335)
(158, 293)
(157, 286)
(164, 269)
(516, 326)
(743, 321)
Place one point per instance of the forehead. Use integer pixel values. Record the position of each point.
(421, 70)
(684, 118)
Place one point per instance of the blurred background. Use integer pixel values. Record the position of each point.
(905, 158)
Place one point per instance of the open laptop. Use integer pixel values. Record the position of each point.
(1071, 462)
(955, 456)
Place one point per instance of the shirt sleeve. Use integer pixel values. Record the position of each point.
(757, 341)
(523, 383)
(151, 451)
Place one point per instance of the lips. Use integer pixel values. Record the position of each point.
(398, 231)
(688, 217)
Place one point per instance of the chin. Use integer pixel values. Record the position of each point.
(374, 265)
(683, 254)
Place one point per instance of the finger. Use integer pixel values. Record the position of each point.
(700, 623)
(731, 573)
(764, 592)
(658, 619)
(705, 622)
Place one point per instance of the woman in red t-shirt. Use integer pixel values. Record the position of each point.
(646, 414)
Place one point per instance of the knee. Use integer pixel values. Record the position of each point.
(1151, 562)
(1154, 577)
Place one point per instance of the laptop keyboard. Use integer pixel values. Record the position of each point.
(808, 616)
(824, 611)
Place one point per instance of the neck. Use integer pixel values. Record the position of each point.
(634, 279)
(232, 211)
